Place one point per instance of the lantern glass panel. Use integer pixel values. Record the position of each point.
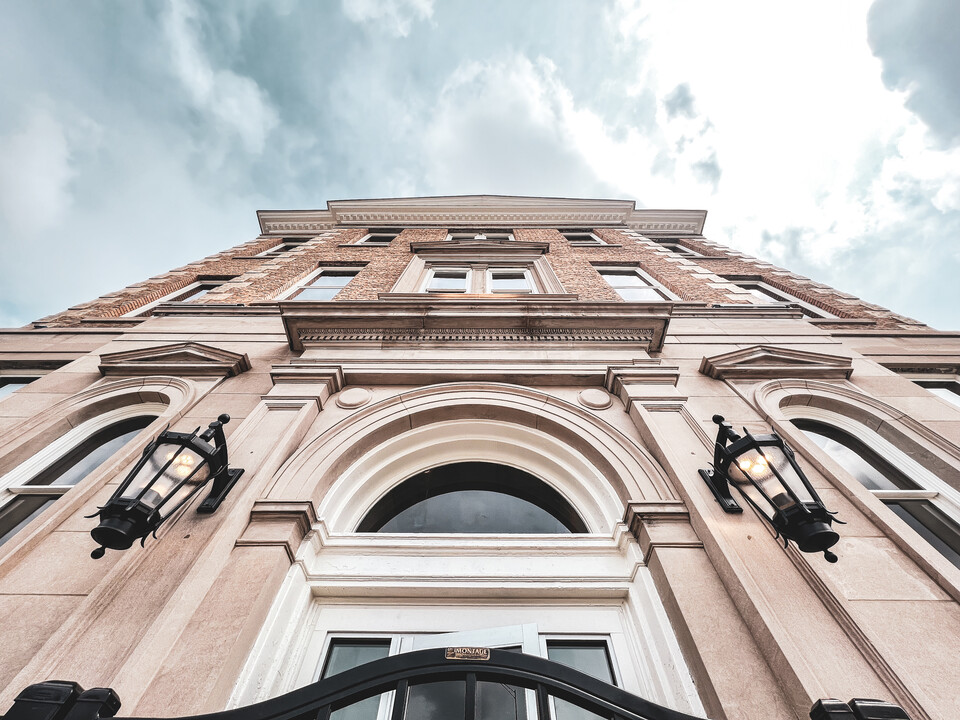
(183, 462)
(759, 466)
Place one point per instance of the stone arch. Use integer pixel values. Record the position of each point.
(594, 466)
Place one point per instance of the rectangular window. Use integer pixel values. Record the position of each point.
(323, 284)
(379, 237)
(9, 385)
(680, 249)
(633, 285)
(190, 293)
(582, 238)
(931, 524)
(286, 246)
(449, 280)
(768, 295)
(948, 390)
(480, 235)
(509, 281)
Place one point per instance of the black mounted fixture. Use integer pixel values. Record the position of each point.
(173, 468)
(765, 472)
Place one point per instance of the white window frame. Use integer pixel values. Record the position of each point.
(366, 239)
(643, 275)
(174, 296)
(952, 391)
(764, 288)
(286, 245)
(472, 236)
(527, 275)
(681, 250)
(308, 281)
(943, 496)
(594, 239)
(8, 380)
(433, 270)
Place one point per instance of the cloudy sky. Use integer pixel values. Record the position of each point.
(824, 136)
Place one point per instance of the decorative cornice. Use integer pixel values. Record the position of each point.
(186, 359)
(479, 321)
(482, 211)
(761, 362)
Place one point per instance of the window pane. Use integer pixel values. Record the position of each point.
(196, 293)
(317, 293)
(498, 701)
(869, 469)
(8, 388)
(587, 656)
(931, 524)
(348, 653)
(473, 497)
(444, 700)
(89, 455)
(640, 294)
(625, 278)
(15, 515)
(509, 282)
(947, 393)
(449, 280)
(333, 278)
(761, 294)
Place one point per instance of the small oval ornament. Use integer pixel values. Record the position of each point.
(595, 399)
(467, 653)
(354, 397)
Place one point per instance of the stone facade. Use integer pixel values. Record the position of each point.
(333, 404)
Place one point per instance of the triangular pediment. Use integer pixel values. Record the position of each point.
(178, 359)
(769, 362)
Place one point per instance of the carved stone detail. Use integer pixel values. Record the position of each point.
(765, 361)
(313, 335)
(185, 359)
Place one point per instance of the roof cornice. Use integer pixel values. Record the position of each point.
(486, 211)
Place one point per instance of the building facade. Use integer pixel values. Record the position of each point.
(478, 422)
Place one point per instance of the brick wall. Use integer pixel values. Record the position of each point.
(261, 279)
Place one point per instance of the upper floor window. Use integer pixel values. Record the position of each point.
(286, 246)
(22, 502)
(322, 284)
(948, 390)
(480, 235)
(9, 385)
(190, 293)
(767, 294)
(380, 237)
(680, 249)
(479, 279)
(634, 285)
(932, 517)
(473, 497)
(582, 238)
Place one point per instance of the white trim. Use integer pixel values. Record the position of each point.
(309, 279)
(432, 270)
(173, 296)
(782, 294)
(642, 274)
(597, 240)
(527, 276)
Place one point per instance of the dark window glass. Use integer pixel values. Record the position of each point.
(346, 654)
(499, 701)
(509, 281)
(445, 700)
(449, 281)
(931, 524)
(588, 656)
(327, 284)
(90, 454)
(870, 470)
(15, 515)
(473, 498)
(949, 391)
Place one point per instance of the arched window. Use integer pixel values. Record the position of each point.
(25, 498)
(473, 497)
(916, 505)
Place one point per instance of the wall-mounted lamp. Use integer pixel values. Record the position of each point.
(173, 468)
(768, 477)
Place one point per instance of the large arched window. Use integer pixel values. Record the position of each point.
(473, 497)
(918, 506)
(24, 498)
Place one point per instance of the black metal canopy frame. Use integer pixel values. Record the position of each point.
(549, 681)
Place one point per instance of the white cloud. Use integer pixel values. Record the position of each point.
(395, 16)
(36, 173)
(233, 101)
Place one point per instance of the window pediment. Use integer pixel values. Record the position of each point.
(764, 361)
(485, 248)
(179, 359)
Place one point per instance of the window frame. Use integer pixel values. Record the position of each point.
(773, 293)
(392, 233)
(932, 489)
(21, 380)
(470, 235)
(648, 280)
(176, 295)
(480, 276)
(949, 383)
(291, 293)
(286, 245)
(432, 272)
(594, 241)
(676, 248)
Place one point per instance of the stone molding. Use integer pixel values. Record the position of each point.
(471, 321)
(185, 359)
(769, 362)
(282, 523)
(483, 211)
(660, 524)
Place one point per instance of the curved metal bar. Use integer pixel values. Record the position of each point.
(428, 665)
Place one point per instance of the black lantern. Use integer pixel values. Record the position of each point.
(173, 468)
(767, 475)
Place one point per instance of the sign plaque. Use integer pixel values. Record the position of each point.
(467, 653)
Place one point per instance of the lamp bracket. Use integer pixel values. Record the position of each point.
(723, 495)
(222, 484)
